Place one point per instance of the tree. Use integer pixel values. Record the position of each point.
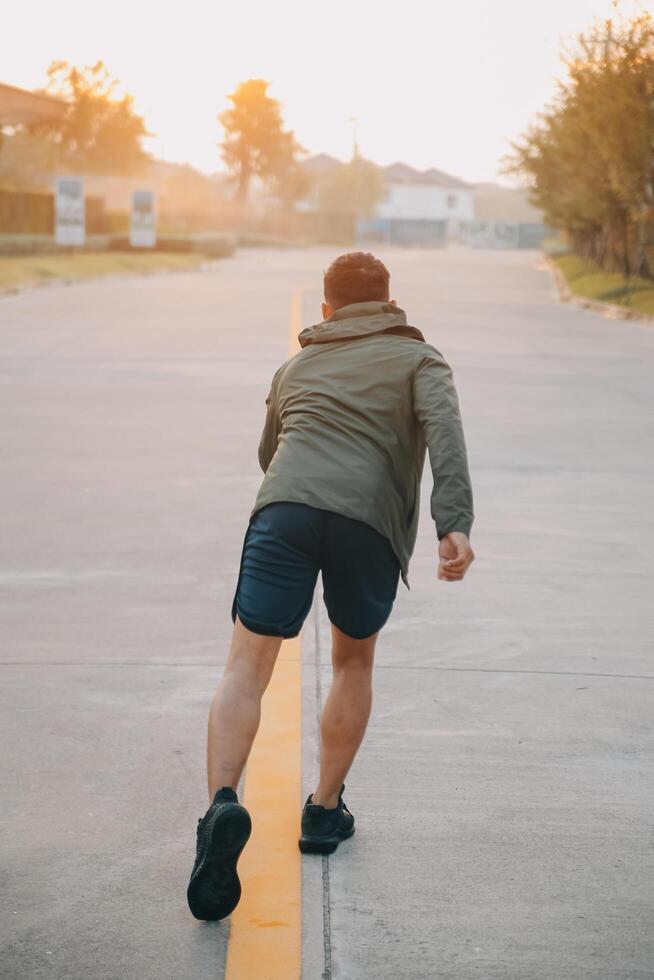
(99, 133)
(292, 184)
(255, 143)
(353, 188)
(28, 159)
(590, 156)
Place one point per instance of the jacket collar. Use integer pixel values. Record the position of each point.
(358, 320)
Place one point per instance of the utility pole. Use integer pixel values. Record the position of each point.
(355, 149)
(356, 157)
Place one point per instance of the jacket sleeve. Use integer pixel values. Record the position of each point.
(271, 429)
(436, 407)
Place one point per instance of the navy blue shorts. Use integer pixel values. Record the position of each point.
(287, 544)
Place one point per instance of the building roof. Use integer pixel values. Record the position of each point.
(395, 173)
(321, 163)
(18, 105)
(402, 173)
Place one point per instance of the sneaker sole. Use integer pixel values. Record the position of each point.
(322, 845)
(215, 890)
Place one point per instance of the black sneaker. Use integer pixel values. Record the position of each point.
(322, 829)
(214, 889)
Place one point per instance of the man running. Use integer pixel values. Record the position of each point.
(349, 421)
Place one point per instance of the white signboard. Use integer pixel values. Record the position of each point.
(143, 233)
(69, 211)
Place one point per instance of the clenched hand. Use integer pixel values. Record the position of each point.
(455, 556)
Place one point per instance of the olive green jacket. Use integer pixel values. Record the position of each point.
(349, 419)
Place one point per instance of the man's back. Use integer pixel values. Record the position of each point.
(346, 425)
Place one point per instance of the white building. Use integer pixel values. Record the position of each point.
(428, 195)
(419, 207)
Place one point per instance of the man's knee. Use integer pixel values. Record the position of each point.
(252, 654)
(349, 653)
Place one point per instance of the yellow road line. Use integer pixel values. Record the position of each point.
(265, 937)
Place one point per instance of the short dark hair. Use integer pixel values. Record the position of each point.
(356, 277)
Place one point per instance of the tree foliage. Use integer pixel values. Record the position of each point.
(100, 133)
(256, 143)
(292, 184)
(354, 188)
(589, 157)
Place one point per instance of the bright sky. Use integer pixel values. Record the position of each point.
(431, 82)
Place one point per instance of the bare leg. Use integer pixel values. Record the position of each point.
(346, 712)
(236, 708)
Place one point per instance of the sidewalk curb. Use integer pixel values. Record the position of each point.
(610, 310)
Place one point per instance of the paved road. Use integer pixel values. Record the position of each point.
(504, 794)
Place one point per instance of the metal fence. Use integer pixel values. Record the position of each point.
(402, 231)
(503, 234)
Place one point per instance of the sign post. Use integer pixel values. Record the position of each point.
(70, 223)
(142, 232)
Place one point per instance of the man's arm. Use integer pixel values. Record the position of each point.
(436, 406)
(271, 429)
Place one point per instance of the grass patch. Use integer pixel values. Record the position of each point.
(590, 282)
(554, 246)
(21, 270)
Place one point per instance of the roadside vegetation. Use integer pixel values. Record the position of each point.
(22, 270)
(587, 280)
(589, 161)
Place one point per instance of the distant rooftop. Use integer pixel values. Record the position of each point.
(18, 105)
(397, 173)
(321, 163)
